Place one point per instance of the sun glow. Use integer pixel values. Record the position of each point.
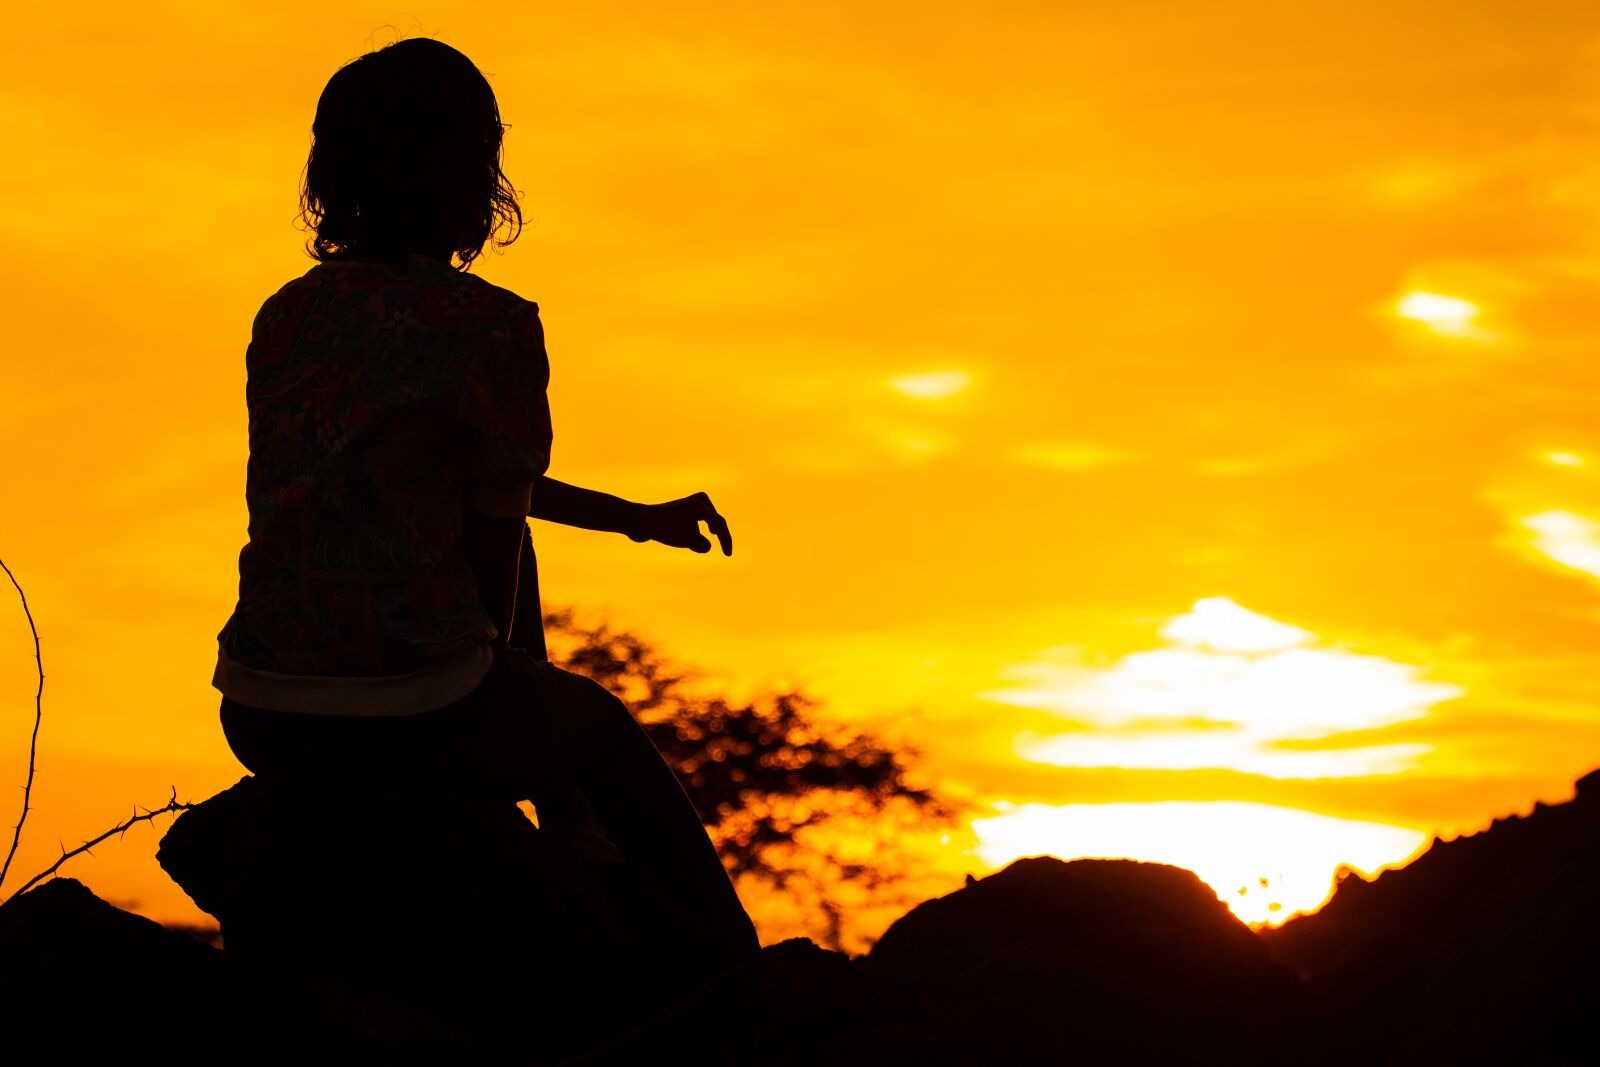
(1265, 862)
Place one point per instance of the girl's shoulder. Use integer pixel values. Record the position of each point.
(423, 279)
(494, 295)
(414, 312)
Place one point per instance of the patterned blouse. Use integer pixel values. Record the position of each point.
(376, 393)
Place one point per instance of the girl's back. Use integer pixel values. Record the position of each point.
(377, 390)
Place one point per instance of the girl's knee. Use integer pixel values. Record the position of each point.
(582, 702)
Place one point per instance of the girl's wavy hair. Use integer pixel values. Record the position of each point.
(405, 157)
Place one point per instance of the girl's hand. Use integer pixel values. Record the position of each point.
(677, 523)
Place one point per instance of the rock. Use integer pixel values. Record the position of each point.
(1481, 949)
(83, 978)
(457, 909)
(85, 981)
(1089, 958)
(798, 1004)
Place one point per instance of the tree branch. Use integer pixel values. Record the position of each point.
(38, 716)
(172, 806)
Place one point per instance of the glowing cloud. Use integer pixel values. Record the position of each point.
(1219, 624)
(1265, 862)
(1236, 690)
(1195, 750)
(1564, 459)
(933, 385)
(1447, 315)
(1570, 540)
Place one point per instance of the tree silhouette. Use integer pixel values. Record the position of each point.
(804, 809)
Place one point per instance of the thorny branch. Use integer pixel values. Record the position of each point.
(172, 806)
(38, 716)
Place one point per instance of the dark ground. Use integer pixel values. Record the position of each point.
(1482, 950)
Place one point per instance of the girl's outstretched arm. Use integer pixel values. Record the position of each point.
(675, 523)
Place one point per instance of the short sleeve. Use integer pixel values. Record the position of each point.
(500, 398)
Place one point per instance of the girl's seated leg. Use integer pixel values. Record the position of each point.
(581, 757)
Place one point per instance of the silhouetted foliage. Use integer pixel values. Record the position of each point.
(765, 773)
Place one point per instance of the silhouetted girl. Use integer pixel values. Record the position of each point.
(399, 436)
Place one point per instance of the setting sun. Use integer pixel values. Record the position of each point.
(1265, 863)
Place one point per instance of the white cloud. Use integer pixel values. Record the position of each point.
(1230, 689)
(1569, 539)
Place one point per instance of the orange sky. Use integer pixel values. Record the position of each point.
(1044, 358)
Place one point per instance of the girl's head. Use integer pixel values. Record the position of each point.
(405, 158)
